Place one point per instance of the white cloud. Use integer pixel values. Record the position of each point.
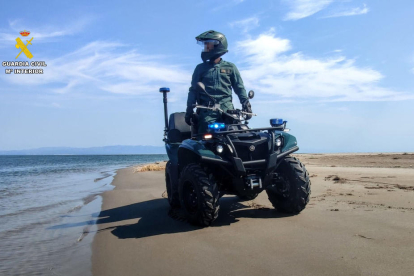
(351, 12)
(303, 8)
(103, 66)
(271, 70)
(42, 33)
(264, 48)
(246, 24)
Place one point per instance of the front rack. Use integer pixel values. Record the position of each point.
(218, 133)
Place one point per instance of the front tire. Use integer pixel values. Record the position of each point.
(199, 195)
(292, 190)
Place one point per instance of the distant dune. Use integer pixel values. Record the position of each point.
(88, 151)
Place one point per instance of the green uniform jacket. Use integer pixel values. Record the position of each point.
(219, 79)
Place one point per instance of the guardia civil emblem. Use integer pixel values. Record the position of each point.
(23, 47)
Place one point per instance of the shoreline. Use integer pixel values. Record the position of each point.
(52, 204)
(98, 201)
(358, 223)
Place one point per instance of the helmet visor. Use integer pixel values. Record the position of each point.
(208, 45)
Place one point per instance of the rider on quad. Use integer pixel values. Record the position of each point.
(226, 156)
(219, 77)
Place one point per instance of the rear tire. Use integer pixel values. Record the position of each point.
(199, 195)
(173, 198)
(292, 194)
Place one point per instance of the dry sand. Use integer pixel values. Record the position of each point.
(359, 221)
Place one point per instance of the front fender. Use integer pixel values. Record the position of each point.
(289, 141)
(198, 147)
(172, 152)
(192, 150)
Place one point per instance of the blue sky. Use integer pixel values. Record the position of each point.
(341, 72)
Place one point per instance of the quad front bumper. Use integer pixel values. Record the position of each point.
(267, 164)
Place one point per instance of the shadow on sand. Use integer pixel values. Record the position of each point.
(154, 219)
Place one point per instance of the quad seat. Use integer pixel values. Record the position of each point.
(178, 130)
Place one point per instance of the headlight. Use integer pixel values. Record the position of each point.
(207, 136)
(219, 148)
(278, 142)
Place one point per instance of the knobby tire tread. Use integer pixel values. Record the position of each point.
(300, 187)
(207, 193)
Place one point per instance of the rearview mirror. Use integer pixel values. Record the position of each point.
(251, 94)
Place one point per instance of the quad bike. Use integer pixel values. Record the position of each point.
(231, 158)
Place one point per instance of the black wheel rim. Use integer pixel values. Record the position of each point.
(283, 187)
(190, 197)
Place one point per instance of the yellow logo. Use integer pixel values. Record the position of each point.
(18, 64)
(23, 48)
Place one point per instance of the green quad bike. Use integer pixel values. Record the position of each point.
(231, 158)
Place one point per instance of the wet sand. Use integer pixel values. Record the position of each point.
(359, 221)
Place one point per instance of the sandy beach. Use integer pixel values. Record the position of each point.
(359, 221)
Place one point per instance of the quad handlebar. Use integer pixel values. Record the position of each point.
(236, 114)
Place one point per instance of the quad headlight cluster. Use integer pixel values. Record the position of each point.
(278, 142)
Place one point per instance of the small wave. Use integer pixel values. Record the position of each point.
(102, 177)
(27, 227)
(74, 209)
(38, 208)
(89, 198)
(7, 193)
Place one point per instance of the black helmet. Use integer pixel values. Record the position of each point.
(214, 45)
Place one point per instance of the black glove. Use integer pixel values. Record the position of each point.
(247, 108)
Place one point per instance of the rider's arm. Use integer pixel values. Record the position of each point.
(237, 84)
(192, 93)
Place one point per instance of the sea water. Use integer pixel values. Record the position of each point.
(40, 193)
